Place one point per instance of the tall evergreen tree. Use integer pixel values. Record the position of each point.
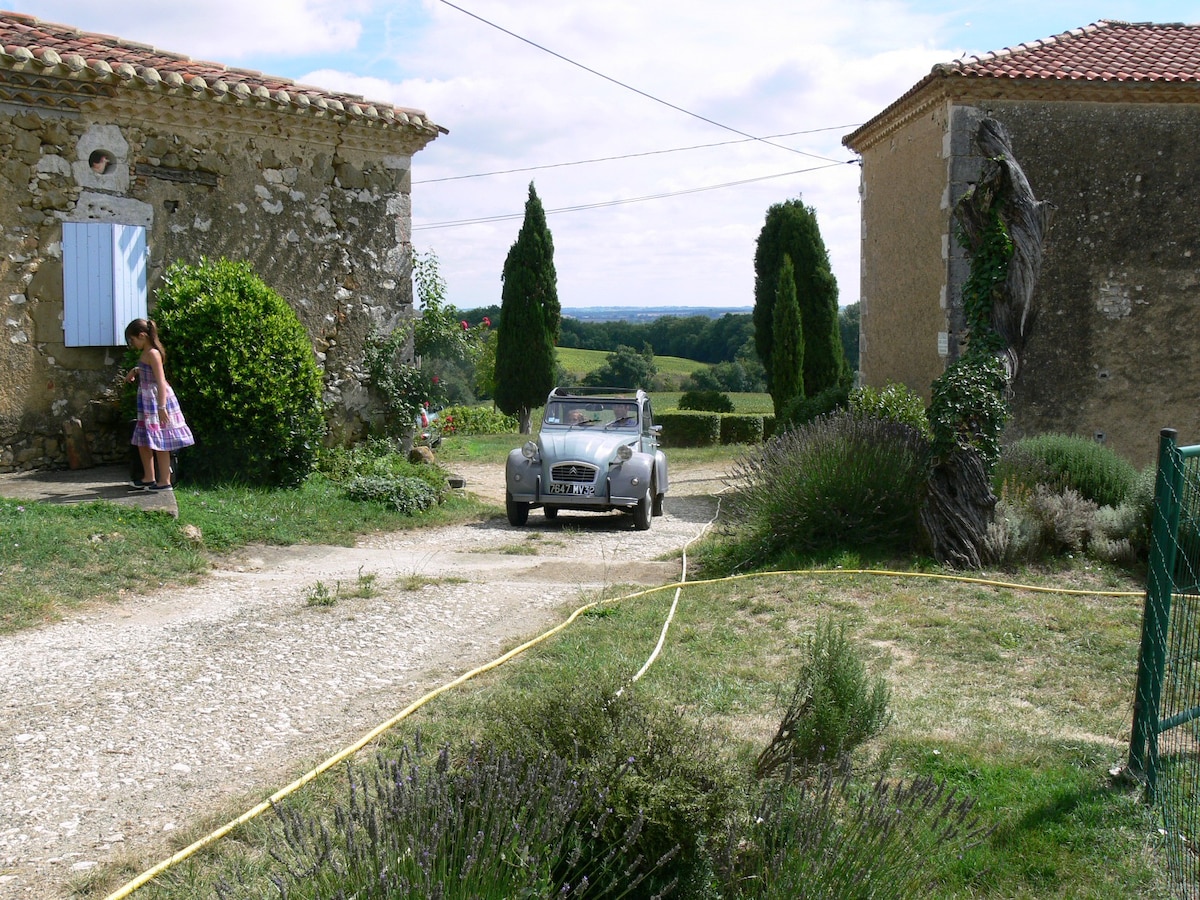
(529, 317)
(787, 357)
(791, 228)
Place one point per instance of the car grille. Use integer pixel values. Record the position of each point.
(574, 473)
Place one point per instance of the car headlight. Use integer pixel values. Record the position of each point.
(624, 453)
(529, 451)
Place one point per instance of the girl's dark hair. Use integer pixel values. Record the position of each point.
(147, 327)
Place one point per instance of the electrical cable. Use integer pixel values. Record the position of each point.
(603, 204)
(639, 92)
(600, 159)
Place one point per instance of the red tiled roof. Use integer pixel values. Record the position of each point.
(1143, 56)
(26, 41)
(1103, 51)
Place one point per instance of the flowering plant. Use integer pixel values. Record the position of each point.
(403, 387)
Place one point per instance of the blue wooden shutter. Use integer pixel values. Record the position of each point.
(104, 282)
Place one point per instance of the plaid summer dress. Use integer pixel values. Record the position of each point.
(150, 432)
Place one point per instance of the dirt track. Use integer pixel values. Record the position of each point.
(124, 723)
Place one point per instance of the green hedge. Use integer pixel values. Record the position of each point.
(689, 429)
(737, 428)
(684, 428)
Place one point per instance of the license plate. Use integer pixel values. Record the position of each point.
(585, 490)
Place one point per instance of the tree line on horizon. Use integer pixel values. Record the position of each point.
(797, 343)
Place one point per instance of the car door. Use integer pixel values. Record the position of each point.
(649, 439)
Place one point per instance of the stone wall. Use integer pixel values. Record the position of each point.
(320, 209)
(1117, 302)
(906, 220)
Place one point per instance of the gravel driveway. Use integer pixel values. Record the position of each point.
(125, 722)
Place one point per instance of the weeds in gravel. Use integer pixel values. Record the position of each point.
(54, 557)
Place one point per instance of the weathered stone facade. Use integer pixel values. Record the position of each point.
(309, 188)
(1119, 288)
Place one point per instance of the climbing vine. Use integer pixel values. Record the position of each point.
(968, 407)
(989, 270)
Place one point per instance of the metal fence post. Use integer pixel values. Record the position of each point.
(1143, 746)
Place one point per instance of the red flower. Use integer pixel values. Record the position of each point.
(464, 324)
(487, 323)
(427, 404)
(435, 379)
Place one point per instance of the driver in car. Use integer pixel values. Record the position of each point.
(624, 415)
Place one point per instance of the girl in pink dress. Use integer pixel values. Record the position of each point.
(160, 429)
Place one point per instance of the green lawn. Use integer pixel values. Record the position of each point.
(578, 363)
(749, 404)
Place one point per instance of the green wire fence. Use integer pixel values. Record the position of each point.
(1165, 747)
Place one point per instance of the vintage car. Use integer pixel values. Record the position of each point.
(597, 450)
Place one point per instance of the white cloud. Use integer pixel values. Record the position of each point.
(758, 66)
(228, 31)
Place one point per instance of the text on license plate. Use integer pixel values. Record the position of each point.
(585, 490)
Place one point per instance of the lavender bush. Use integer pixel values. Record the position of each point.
(825, 837)
(488, 825)
(842, 481)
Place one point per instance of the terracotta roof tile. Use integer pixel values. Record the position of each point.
(1103, 51)
(28, 41)
(1152, 59)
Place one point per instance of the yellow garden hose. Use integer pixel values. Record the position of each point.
(345, 753)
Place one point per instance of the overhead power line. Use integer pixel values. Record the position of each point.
(505, 217)
(639, 92)
(599, 159)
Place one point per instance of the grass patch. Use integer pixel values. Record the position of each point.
(746, 404)
(55, 557)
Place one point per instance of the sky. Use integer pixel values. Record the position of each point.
(643, 112)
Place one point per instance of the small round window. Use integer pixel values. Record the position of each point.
(101, 161)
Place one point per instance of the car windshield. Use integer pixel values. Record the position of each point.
(605, 414)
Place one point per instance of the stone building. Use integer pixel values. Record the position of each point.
(116, 159)
(1103, 121)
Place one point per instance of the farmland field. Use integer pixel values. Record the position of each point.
(578, 363)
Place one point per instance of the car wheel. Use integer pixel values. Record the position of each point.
(518, 512)
(551, 513)
(641, 512)
(658, 505)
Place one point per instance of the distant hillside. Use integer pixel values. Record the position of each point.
(648, 313)
(577, 363)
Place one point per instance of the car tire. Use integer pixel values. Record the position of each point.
(551, 513)
(658, 505)
(518, 512)
(642, 512)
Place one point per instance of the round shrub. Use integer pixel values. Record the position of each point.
(1062, 461)
(245, 372)
(802, 410)
(404, 494)
(839, 482)
(894, 403)
(968, 409)
(659, 773)
(706, 401)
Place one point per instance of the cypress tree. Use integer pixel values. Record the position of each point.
(791, 228)
(529, 317)
(787, 358)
